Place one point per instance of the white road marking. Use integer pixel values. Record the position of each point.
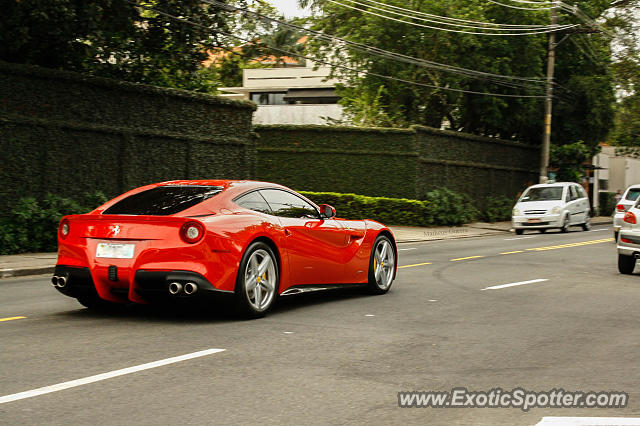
(432, 300)
(369, 315)
(412, 248)
(288, 332)
(598, 230)
(104, 376)
(588, 421)
(520, 238)
(495, 287)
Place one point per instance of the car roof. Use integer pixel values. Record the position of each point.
(546, 185)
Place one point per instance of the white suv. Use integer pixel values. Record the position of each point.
(628, 199)
(552, 205)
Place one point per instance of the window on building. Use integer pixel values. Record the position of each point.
(268, 98)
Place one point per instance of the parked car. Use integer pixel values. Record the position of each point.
(554, 205)
(628, 242)
(252, 241)
(627, 200)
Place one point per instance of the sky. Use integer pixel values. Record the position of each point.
(289, 8)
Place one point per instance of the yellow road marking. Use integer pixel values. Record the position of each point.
(512, 252)
(582, 243)
(11, 318)
(465, 258)
(415, 264)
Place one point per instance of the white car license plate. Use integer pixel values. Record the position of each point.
(115, 251)
(534, 220)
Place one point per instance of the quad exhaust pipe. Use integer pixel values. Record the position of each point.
(59, 281)
(176, 288)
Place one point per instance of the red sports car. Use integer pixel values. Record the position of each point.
(188, 239)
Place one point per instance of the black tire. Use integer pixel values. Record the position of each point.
(587, 224)
(543, 230)
(626, 264)
(95, 303)
(565, 224)
(383, 283)
(244, 305)
(519, 231)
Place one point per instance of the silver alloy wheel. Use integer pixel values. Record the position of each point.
(260, 280)
(384, 262)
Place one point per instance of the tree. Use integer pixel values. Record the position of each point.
(584, 93)
(117, 39)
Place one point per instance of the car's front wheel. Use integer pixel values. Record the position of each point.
(519, 231)
(587, 223)
(257, 282)
(565, 224)
(382, 265)
(626, 264)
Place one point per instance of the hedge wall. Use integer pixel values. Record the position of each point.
(404, 163)
(69, 134)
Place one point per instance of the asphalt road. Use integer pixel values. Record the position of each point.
(342, 357)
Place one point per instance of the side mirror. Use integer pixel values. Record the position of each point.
(327, 212)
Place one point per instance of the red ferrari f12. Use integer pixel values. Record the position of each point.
(254, 241)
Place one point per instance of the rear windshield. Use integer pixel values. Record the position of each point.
(632, 194)
(163, 200)
(543, 194)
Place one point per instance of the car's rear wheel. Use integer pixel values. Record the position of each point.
(257, 282)
(626, 264)
(543, 230)
(587, 223)
(382, 265)
(519, 231)
(565, 224)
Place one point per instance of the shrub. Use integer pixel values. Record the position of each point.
(442, 207)
(33, 224)
(498, 209)
(450, 208)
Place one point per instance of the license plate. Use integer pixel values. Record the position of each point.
(534, 220)
(115, 251)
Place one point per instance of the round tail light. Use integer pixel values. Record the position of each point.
(64, 228)
(192, 232)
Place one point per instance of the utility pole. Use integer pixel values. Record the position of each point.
(548, 102)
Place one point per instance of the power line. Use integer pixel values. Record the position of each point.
(521, 7)
(513, 81)
(530, 32)
(344, 67)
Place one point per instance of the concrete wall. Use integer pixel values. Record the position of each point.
(296, 114)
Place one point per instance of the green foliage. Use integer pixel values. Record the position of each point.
(569, 160)
(33, 224)
(441, 208)
(607, 203)
(498, 209)
(450, 208)
(68, 134)
(390, 211)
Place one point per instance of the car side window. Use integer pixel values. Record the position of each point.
(253, 201)
(581, 192)
(567, 195)
(574, 192)
(286, 204)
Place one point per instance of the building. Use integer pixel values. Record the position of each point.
(613, 171)
(289, 95)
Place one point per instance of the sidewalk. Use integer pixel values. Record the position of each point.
(43, 263)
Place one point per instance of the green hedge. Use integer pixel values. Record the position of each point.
(67, 134)
(442, 208)
(33, 224)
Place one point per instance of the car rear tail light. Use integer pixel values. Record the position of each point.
(192, 232)
(620, 207)
(64, 228)
(630, 218)
(626, 240)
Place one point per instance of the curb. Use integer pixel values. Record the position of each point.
(8, 273)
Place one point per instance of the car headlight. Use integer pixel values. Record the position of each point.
(516, 212)
(555, 210)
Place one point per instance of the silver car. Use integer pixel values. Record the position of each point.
(552, 205)
(628, 199)
(628, 242)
